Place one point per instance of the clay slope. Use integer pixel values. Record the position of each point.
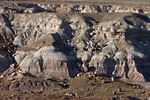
(64, 44)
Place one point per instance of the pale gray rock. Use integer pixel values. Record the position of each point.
(47, 63)
(19, 56)
(110, 49)
(104, 64)
(53, 45)
(70, 94)
(85, 57)
(51, 52)
(90, 9)
(81, 45)
(42, 26)
(42, 52)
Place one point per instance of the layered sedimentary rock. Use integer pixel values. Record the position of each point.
(43, 51)
(124, 43)
(64, 44)
(49, 46)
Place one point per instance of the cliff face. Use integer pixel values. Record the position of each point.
(64, 44)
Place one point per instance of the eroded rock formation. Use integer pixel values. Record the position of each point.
(72, 7)
(63, 44)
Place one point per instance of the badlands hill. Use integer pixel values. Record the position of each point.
(48, 44)
(62, 40)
